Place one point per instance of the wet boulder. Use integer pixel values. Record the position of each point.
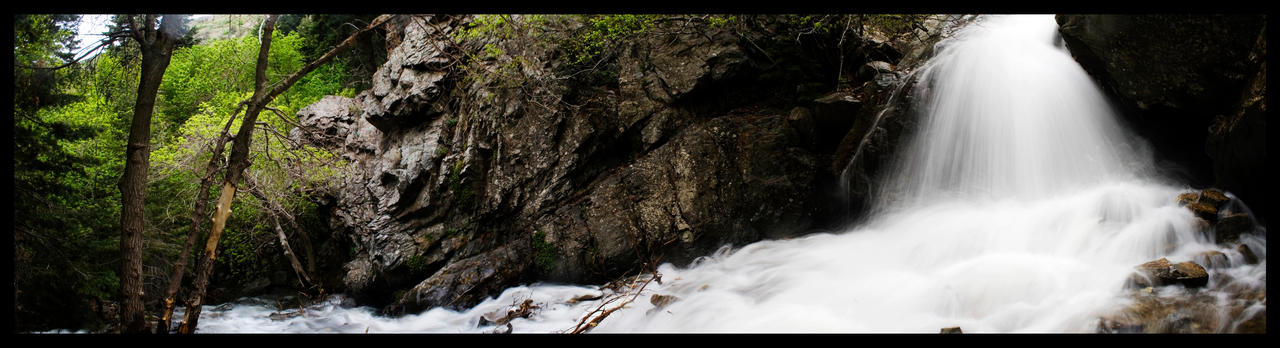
(1247, 254)
(1204, 211)
(1230, 227)
(1214, 197)
(1213, 259)
(1162, 272)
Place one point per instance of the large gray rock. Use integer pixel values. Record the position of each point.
(461, 183)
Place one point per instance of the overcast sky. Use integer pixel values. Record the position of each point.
(91, 28)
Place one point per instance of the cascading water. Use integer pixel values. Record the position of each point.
(1020, 205)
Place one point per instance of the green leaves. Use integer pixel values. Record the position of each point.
(545, 254)
(603, 32)
(69, 156)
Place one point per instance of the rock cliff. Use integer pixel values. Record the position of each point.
(480, 162)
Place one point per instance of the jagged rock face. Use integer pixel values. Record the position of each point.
(459, 185)
(1176, 76)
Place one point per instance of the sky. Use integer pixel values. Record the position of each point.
(91, 28)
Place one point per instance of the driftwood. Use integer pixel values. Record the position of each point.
(589, 322)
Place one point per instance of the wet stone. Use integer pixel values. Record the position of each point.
(1188, 198)
(1213, 259)
(1162, 272)
(1117, 326)
(1204, 211)
(660, 301)
(1230, 227)
(1213, 197)
(1249, 256)
(278, 316)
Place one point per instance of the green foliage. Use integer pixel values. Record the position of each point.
(604, 32)
(502, 27)
(324, 31)
(721, 21)
(67, 159)
(44, 39)
(893, 25)
(545, 254)
(239, 254)
(41, 40)
(417, 264)
(69, 156)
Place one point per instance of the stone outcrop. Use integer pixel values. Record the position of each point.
(1193, 85)
(470, 172)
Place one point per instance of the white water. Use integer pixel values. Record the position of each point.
(1020, 206)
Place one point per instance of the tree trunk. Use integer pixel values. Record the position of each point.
(197, 217)
(235, 168)
(157, 48)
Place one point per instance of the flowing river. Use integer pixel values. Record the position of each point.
(1021, 204)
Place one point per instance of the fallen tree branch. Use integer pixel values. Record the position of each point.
(302, 274)
(588, 322)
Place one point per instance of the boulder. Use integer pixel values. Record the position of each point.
(1188, 198)
(1162, 272)
(1231, 226)
(871, 69)
(1204, 211)
(1247, 254)
(1213, 259)
(1213, 197)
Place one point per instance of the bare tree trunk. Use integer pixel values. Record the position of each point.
(197, 216)
(157, 48)
(235, 168)
(239, 160)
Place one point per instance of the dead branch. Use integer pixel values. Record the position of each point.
(303, 276)
(584, 325)
(202, 201)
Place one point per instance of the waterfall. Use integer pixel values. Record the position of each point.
(1008, 113)
(1020, 204)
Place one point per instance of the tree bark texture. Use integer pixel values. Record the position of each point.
(197, 217)
(157, 48)
(236, 165)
